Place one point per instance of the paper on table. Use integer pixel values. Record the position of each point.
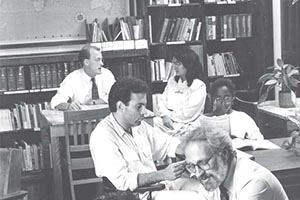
(246, 144)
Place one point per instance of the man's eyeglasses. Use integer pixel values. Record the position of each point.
(226, 99)
(202, 164)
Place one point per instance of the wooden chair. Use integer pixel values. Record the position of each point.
(78, 128)
(10, 175)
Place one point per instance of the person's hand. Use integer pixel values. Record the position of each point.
(167, 121)
(174, 170)
(74, 106)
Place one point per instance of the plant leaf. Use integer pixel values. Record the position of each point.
(263, 96)
(271, 68)
(293, 72)
(293, 81)
(265, 77)
(280, 62)
(271, 82)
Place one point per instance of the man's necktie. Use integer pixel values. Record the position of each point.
(95, 94)
(223, 193)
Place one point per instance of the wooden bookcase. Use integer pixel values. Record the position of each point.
(39, 181)
(254, 49)
(253, 53)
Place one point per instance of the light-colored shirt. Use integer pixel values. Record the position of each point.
(77, 86)
(120, 156)
(182, 103)
(252, 181)
(243, 126)
(247, 181)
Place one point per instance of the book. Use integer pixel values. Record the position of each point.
(241, 154)
(3, 79)
(212, 122)
(106, 30)
(211, 27)
(252, 145)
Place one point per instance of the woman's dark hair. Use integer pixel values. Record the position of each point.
(122, 90)
(191, 63)
(220, 82)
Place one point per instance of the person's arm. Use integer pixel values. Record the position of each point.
(172, 172)
(64, 94)
(68, 106)
(194, 106)
(163, 101)
(253, 131)
(109, 161)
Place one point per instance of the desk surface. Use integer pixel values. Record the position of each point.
(272, 108)
(56, 117)
(277, 159)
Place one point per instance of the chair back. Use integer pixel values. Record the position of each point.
(78, 128)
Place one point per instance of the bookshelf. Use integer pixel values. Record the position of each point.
(246, 50)
(244, 30)
(55, 62)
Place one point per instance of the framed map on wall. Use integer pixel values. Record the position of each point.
(30, 21)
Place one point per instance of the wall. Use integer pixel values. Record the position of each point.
(29, 21)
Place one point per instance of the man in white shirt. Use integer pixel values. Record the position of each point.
(124, 147)
(88, 85)
(211, 160)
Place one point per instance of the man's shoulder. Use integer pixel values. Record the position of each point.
(105, 71)
(247, 170)
(76, 73)
(103, 128)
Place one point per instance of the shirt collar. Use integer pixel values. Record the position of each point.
(119, 129)
(84, 75)
(228, 183)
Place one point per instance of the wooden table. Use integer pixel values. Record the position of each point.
(52, 130)
(285, 165)
(273, 120)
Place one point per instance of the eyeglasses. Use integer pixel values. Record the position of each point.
(202, 164)
(226, 99)
(176, 62)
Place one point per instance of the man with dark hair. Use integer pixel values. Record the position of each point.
(211, 160)
(124, 147)
(88, 85)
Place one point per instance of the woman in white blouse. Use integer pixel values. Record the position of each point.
(183, 99)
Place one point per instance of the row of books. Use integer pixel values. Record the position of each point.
(124, 28)
(122, 45)
(12, 78)
(41, 76)
(50, 75)
(32, 158)
(222, 64)
(161, 70)
(236, 26)
(232, 26)
(136, 67)
(179, 29)
(224, 1)
(168, 2)
(22, 116)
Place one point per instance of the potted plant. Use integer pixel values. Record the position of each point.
(282, 75)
